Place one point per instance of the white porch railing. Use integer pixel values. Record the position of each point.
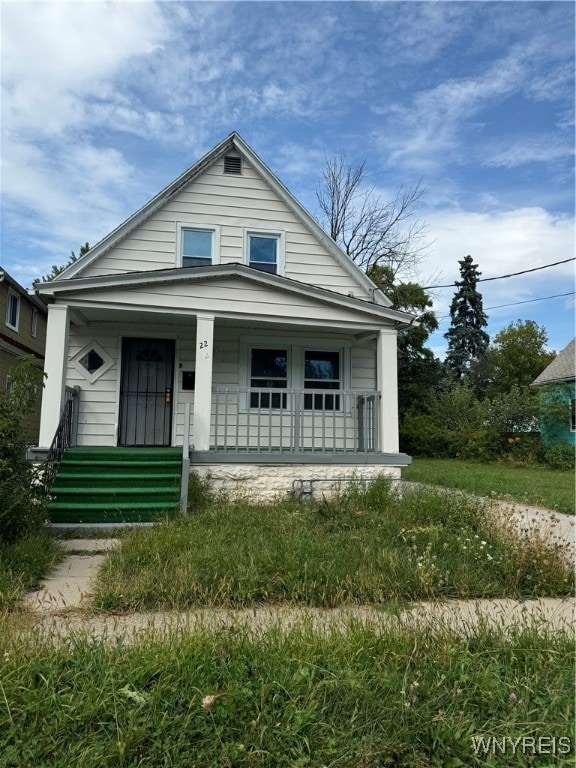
(246, 419)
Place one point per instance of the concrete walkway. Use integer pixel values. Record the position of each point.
(69, 588)
(69, 585)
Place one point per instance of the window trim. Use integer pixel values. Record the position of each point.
(107, 361)
(280, 238)
(16, 296)
(182, 226)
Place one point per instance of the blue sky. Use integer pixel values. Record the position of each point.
(103, 104)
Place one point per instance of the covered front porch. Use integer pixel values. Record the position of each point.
(233, 367)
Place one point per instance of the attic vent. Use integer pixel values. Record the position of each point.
(232, 164)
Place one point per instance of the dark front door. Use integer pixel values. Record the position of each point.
(146, 391)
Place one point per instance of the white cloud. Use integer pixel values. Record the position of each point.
(446, 120)
(541, 149)
(500, 243)
(56, 56)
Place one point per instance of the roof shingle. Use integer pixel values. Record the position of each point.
(561, 368)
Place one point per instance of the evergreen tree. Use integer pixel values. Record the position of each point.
(56, 270)
(467, 339)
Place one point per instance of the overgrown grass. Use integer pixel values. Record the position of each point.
(368, 546)
(358, 699)
(534, 484)
(23, 565)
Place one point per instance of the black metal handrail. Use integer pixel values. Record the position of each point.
(65, 437)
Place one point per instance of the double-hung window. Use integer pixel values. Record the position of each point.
(322, 371)
(198, 246)
(268, 370)
(265, 251)
(13, 310)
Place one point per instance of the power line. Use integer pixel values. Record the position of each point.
(529, 301)
(514, 304)
(502, 277)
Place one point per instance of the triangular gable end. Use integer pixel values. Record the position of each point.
(231, 144)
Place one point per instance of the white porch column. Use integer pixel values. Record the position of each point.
(55, 370)
(387, 382)
(203, 385)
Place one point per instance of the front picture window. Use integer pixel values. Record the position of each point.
(263, 253)
(197, 247)
(268, 370)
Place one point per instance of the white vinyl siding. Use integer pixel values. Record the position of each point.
(236, 203)
(97, 405)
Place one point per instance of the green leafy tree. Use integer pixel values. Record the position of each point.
(21, 509)
(515, 357)
(418, 369)
(55, 271)
(453, 425)
(467, 339)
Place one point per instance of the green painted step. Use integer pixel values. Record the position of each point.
(116, 485)
(96, 479)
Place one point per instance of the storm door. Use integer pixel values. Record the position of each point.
(146, 391)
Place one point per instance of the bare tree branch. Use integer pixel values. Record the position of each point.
(371, 231)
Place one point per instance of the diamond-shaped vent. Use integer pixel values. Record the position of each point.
(91, 361)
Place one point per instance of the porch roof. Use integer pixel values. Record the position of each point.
(217, 290)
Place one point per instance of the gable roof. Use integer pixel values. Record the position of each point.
(15, 285)
(231, 142)
(561, 368)
(77, 286)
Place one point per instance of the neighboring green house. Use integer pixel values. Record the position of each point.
(558, 398)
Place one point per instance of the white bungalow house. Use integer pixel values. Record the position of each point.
(220, 319)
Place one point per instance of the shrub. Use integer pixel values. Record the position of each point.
(21, 507)
(560, 456)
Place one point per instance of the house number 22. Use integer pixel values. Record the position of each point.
(203, 345)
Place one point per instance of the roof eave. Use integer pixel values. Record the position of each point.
(52, 289)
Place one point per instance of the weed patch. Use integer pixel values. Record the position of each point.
(23, 564)
(367, 546)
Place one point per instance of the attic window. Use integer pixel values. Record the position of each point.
(233, 165)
